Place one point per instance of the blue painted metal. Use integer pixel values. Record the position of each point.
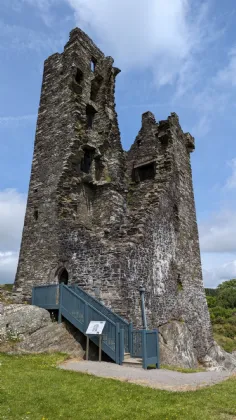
(145, 345)
(121, 346)
(80, 313)
(144, 349)
(46, 296)
(79, 309)
(104, 310)
(117, 341)
(157, 350)
(130, 342)
(60, 304)
(136, 343)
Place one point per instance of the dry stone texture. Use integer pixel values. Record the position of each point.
(177, 346)
(29, 329)
(106, 218)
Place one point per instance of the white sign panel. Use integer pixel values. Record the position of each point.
(95, 327)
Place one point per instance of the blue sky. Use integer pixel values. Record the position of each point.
(175, 55)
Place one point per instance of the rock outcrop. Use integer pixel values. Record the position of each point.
(219, 359)
(29, 329)
(177, 346)
(177, 349)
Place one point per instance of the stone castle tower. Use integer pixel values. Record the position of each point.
(104, 218)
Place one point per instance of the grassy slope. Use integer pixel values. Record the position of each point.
(31, 388)
(225, 336)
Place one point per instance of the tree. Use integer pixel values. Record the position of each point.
(226, 294)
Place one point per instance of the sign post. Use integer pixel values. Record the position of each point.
(87, 347)
(95, 328)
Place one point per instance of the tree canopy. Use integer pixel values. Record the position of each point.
(226, 294)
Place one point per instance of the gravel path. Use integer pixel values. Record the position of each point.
(154, 378)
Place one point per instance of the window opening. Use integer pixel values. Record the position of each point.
(139, 143)
(176, 217)
(144, 172)
(99, 169)
(36, 214)
(90, 114)
(63, 276)
(95, 86)
(86, 161)
(78, 76)
(179, 283)
(93, 65)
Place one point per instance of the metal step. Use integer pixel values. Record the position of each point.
(133, 362)
(126, 356)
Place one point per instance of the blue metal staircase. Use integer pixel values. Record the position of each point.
(79, 308)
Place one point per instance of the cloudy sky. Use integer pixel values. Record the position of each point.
(175, 55)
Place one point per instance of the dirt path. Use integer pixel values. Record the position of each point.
(154, 378)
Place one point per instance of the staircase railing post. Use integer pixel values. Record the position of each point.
(122, 347)
(117, 343)
(144, 349)
(130, 338)
(158, 353)
(85, 317)
(60, 302)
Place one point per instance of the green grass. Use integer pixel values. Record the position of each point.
(225, 336)
(183, 370)
(32, 388)
(227, 343)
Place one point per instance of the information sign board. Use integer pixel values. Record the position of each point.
(95, 327)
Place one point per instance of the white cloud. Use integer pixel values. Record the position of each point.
(12, 211)
(160, 35)
(8, 265)
(218, 234)
(217, 273)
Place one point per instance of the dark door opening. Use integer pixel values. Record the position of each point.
(63, 276)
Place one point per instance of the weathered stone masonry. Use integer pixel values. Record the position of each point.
(110, 219)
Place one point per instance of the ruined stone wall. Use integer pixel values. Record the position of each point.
(78, 85)
(112, 219)
(167, 255)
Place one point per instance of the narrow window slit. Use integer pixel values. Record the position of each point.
(90, 114)
(36, 214)
(93, 65)
(179, 283)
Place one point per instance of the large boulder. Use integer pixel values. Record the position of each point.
(18, 321)
(52, 338)
(176, 345)
(29, 329)
(218, 359)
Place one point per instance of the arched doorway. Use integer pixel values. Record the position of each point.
(63, 276)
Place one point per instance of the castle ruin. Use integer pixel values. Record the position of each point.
(104, 218)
